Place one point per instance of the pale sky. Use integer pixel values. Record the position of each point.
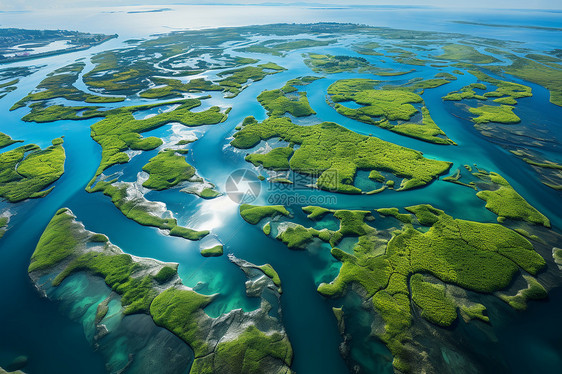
(482, 4)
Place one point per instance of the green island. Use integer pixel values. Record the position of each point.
(465, 53)
(8, 86)
(170, 88)
(120, 131)
(536, 72)
(380, 106)
(254, 214)
(139, 209)
(505, 93)
(234, 81)
(412, 267)
(26, 172)
(167, 169)
(215, 251)
(6, 140)
(328, 64)
(269, 271)
(154, 288)
(337, 153)
(501, 198)
(285, 100)
(279, 47)
(505, 202)
(494, 113)
(60, 84)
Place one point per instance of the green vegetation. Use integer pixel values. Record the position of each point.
(539, 73)
(455, 179)
(474, 311)
(140, 210)
(328, 64)
(276, 159)
(368, 49)
(215, 251)
(168, 88)
(278, 47)
(57, 242)
(102, 310)
(298, 236)
(428, 130)
(465, 53)
(283, 100)
(166, 170)
(467, 92)
(235, 80)
(507, 203)
(481, 257)
(254, 214)
(60, 84)
(505, 93)
(271, 273)
(166, 274)
(394, 212)
(120, 131)
(477, 256)
(5, 140)
(248, 353)
(379, 106)
(4, 224)
(492, 113)
(534, 291)
(388, 104)
(65, 248)
(26, 171)
(267, 228)
(437, 307)
(337, 153)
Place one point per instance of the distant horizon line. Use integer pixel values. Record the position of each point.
(292, 4)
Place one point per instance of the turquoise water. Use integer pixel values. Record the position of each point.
(37, 328)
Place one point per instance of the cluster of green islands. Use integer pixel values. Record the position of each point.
(418, 269)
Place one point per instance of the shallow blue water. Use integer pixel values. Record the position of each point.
(55, 344)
